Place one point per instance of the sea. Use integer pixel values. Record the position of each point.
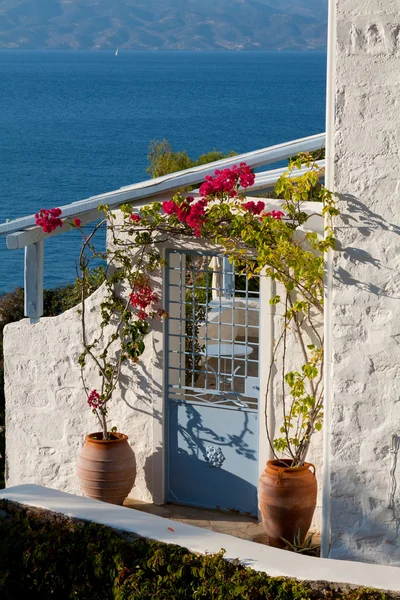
(77, 124)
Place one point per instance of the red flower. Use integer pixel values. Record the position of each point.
(49, 220)
(183, 212)
(246, 176)
(94, 399)
(135, 218)
(228, 181)
(142, 315)
(169, 207)
(142, 297)
(275, 214)
(253, 208)
(196, 216)
(206, 188)
(77, 222)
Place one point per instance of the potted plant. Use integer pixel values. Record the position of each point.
(288, 485)
(106, 463)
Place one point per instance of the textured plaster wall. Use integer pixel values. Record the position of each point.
(46, 411)
(366, 295)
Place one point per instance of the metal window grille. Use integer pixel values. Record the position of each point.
(213, 331)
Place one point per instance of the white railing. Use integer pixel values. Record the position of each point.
(24, 233)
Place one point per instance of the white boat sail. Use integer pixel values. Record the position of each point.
(116, 52)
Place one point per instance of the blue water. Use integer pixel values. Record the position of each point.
(75, 124)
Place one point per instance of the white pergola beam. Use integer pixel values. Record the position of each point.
(26, 237)
(20, 239)
(268, 179)
(174, 181)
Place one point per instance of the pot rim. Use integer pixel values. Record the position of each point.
(119, 438)
(276, 465)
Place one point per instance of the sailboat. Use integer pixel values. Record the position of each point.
(116, 52)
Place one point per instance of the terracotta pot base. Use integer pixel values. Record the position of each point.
(287, 500)
(106, 468)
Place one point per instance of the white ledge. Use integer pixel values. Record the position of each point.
(261, 558)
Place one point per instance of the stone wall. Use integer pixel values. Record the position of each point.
(365, 515)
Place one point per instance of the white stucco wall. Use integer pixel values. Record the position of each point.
(46, 410)
(366, 282)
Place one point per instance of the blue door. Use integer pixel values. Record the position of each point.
(212, 379)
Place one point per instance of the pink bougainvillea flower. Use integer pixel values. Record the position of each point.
(77, 222)
(183, 212)
(142, 298)
(196, 216)
(190, 211)
(275, 214)
(142, 315)
(228, 181)
(254, 208)
(94, 399)
(170, 207)
(49, 219)
(246, 176)
(135, 218)
(206, 188)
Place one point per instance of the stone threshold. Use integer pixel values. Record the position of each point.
(231, 523)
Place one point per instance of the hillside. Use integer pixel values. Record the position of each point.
(164, 24)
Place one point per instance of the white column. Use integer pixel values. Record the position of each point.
(267, 337)
(365, 416)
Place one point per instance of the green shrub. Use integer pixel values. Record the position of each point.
(41, 559)
(163, 160)
(60, 299)
(313, 155)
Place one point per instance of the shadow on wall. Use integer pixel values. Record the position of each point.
(195, 483)
(375, 528)
(365, 523)
(146, 389)
(365, 221)
(210, 466)
(196, 436)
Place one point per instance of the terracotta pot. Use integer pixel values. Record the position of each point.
(106, 468)
(287, 498)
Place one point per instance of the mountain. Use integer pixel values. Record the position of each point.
(164, 24)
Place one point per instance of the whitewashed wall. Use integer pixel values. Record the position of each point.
(46, 410)
(366, 299)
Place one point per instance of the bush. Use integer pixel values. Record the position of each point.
(42, 559)
(163, 160)
(60, 299)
